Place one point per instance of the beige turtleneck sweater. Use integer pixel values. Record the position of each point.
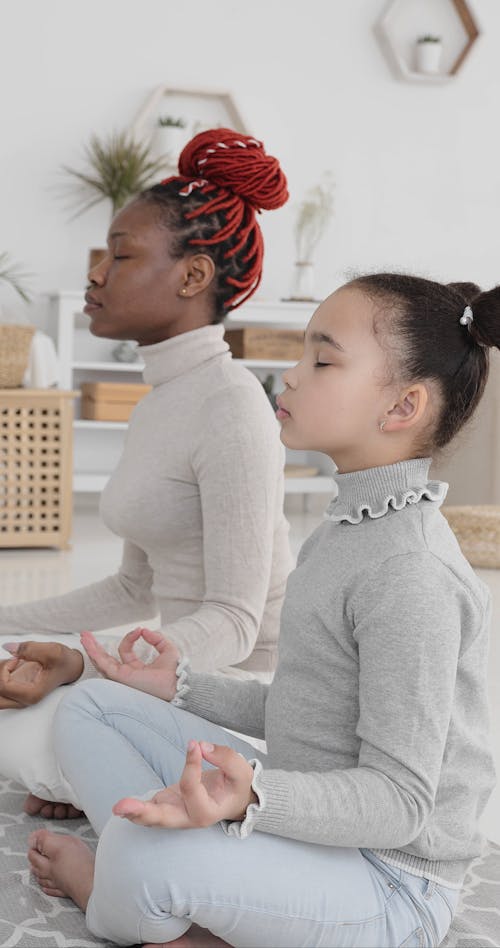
(198, 499)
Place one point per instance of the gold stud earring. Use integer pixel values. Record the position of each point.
(184, 291)
(382, 425)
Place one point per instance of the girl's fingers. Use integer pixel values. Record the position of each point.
(232, 764)
(126, 646)
(197, 801)
(98, 656)
(129, 807)
(148, 813)
(155, 638)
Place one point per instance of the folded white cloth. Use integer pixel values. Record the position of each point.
(43, 366)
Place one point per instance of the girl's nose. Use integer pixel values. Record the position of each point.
(289, 377)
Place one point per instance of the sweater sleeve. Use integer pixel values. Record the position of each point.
(407, 619)
(239, 705)
(238, 463)
(116, 600)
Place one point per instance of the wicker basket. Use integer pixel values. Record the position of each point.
(477, 530)
(15, 344)
(36, 460)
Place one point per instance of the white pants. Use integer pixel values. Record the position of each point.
(27, 742)
(150, 884)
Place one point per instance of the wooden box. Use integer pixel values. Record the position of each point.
(36, 467)
(477, 529)
(111, 401)
(273, 344)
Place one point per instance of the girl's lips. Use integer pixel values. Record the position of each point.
(281, 412)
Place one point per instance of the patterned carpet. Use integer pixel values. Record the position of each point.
(29, 919)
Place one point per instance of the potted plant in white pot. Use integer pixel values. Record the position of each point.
(118, 168)
(313, 214)
(429, 50)
(15, 335)
(170, 137)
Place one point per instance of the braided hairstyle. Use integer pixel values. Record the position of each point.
(430, 337)
(210, 207)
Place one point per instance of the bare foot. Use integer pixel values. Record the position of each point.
(63, 865)
(35, 806)
(196, 937)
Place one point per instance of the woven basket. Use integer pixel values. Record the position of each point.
(15, 343)
(477, 530)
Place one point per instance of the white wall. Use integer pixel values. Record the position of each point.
(416, 166)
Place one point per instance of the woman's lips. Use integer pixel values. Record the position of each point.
(91, 304)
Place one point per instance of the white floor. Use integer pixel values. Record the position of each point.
(96, 553)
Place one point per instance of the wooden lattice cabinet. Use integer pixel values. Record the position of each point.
(36, 461)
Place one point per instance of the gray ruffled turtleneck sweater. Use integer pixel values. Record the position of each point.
(198, 499)
(376, 721)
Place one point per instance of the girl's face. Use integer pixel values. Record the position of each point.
(335, 396)
(136, 290)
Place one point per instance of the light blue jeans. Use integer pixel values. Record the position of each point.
(151, 884)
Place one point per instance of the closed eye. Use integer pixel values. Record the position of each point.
(320, 365)
(120, 257)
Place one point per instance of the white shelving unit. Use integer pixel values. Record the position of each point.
(84, 357)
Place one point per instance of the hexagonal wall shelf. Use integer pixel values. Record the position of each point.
(403, 21)
(194, 109)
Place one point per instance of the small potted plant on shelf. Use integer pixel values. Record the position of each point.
(429, 49)
(169, 137)
(313, 215)
(118, 168)
(15, 335)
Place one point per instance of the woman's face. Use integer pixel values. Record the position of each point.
(138, 291)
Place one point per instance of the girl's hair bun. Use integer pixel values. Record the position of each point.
(237, 163)
(469, 291)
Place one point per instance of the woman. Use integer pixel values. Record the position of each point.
(198, 493)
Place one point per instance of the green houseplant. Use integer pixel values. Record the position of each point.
(118, 168)
(14, 277)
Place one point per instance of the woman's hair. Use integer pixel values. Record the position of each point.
(210, 207)
(428, 329)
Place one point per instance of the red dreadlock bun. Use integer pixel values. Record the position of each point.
(238, 163)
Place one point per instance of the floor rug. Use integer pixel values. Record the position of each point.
(30, 919)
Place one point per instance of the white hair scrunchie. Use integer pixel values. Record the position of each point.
(468, 317)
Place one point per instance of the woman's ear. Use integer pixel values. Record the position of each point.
(409, 409)
(198, 275)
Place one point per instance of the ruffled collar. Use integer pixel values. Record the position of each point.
(372, 492)
(166, 360)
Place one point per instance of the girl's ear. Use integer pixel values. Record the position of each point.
(409, 409)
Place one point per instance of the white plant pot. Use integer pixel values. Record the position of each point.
(429, 58)
(169, 140)
(303, 281)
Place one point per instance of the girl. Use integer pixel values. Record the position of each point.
(198, 493)
(357, 826)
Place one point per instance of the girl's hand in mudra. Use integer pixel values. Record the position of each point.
(202, 797)
(156, 678)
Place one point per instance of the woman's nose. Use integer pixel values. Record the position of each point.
(98, 274)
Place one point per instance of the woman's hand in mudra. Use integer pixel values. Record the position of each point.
(36, 669)
(202, 797)
(157, 677)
